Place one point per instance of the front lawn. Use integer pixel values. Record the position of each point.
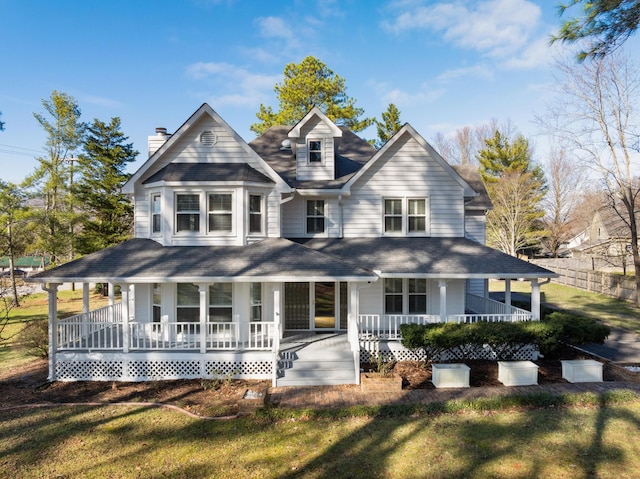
(134, 442)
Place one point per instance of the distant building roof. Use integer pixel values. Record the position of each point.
(26, 262)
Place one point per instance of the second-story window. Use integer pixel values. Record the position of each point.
(315, 217)
(417, 215)
(156, 214)
(255, 213)
(393, 215)
(315, 151)
(187, 212)
(220, 212)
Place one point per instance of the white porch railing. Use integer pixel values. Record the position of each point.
(97, 329)
(76, 333)
(388, 326)
(487, 306)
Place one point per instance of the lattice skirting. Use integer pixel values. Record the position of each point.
(371, 351)
(154, 367)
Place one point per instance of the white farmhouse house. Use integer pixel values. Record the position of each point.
(291, 258)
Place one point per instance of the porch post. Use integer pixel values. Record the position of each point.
(442, 284)
(277, 317)
(53, 327)
(124, 289)
(112, 295)
(202, 289)
(85, 310)
(507, 294)
(352, 322)
(535, 300)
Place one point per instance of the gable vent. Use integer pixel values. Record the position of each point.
(208, 138)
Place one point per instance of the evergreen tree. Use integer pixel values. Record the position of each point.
(605, 23)
(108, 214)
(389, 125)
(516, 187)
(52, 179)
(307, 84)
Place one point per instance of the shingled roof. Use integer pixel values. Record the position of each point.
(146, 261)
(353, 153)
(208, 172)
(427, 257)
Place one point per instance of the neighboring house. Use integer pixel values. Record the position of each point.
(30, 264)
(607, 237)
(292, 257)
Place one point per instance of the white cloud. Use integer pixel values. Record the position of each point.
(100, 101)
(424, 95)
(537, 54)
(274, 27)
(477, 71)
(496, 28)
(244, 87)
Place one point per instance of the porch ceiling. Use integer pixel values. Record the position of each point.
(146, 261)
(439, 258)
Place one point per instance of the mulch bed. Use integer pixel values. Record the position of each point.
(28, 385)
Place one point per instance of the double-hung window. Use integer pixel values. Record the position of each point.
(156, 213)
(255, 302)
(405, 296)
(393, 215)
(315, 217)
(315, 151)
(188, 304)
(187, 212)
(406, 216)
(221, 302)
(220, 212)
(255, 214)
(157, 302)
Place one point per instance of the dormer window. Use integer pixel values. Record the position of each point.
(315, 151)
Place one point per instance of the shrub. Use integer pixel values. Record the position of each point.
(35, 338)
(576, 330)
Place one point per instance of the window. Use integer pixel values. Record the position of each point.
(156, 216)
(255, 302)
(315, 216)
(417, 216)
(315, 151)
(187, 213)
(405, 296)
(188, 307)
(221, 302)
(393, 215)
(157, 302)
(393, 296)
(408, 216)
(255, 214)
(220, 212)
(417, 296)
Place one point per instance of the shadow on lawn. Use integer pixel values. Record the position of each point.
(137, 442)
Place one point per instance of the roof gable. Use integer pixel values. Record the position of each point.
(384, 152)
(314, 115)
(202, 112)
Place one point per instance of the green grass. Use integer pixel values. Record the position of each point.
(610, 311)
(35, 307)
(134, 442)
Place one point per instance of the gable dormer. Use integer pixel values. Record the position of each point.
(314, 144)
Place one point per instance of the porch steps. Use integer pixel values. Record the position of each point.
(317, 361)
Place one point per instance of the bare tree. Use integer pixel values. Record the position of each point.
(564, 183)
(462, 147)
(596, 116)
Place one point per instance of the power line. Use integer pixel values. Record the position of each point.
(21, 148)
(17, 153)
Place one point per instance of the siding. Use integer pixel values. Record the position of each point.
(475, 227)
(407, 171)
(315, 130)
(294, 214)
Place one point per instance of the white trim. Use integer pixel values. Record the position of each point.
(295, 132)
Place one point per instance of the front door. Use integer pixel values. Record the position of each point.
(324, 306)
(315, 306)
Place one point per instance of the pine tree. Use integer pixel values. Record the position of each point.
(307, 84)
(516, 187)
(108, 213)
(389, 125)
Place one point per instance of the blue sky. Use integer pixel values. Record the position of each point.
(445, 64)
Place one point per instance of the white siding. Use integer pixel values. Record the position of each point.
(475, 226)
(294, 217)
(407, 172)
(315, 130)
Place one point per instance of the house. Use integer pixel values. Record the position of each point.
(30, 264)
(293, 258)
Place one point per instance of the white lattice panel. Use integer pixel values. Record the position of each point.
(155, 369)
(238, 369)
(89, 370)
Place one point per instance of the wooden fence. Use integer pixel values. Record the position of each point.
(612, 285)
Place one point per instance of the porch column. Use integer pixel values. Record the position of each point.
(111, 288)
(85, 310)
(124, 289)
(352, 322)
(535, 300)
(442, 284)
(507, 294)
(53, 327)
(202, 289)
(277, 317)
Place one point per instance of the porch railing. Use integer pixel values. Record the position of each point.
(487, 306)
(76, 333)
(97, 329)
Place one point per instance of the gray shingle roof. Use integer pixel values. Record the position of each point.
(353, 153)
(470, 174)
(144, 260)
(208, 172)
(427, 257)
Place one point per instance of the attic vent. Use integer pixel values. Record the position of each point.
(208, 138)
